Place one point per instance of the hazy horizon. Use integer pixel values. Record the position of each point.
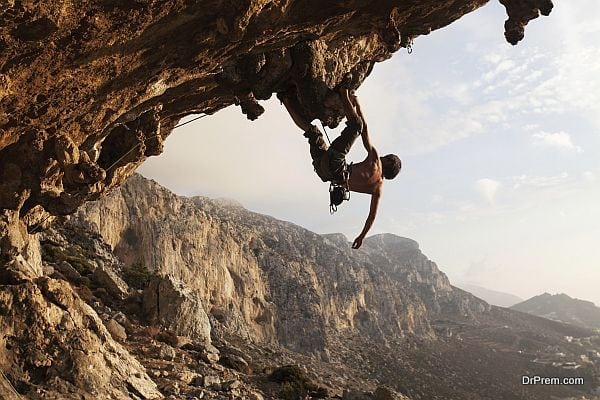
(500, 178)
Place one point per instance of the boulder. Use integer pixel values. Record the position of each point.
(116, 330)
(355, 395)
(255, 396)
(170, 304)
(167, 352)
(212, 381)
(236, 362)
(107, 278)
(209, 357)
(82, 352)
(68, 271)
(385, 393)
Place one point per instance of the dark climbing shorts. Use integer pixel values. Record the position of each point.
(330, 162)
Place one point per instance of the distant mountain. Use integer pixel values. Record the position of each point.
(494, 297)
(560, 307)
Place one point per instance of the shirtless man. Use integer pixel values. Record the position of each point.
(330, 162)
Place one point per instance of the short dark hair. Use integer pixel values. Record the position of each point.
(391, 165)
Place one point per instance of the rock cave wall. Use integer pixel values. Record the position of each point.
(89, 90)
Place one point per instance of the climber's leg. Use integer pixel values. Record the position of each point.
(343, 143)
(291, 104)
(318, 147)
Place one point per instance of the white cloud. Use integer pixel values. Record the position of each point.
(531, 127)
(437, 199)
(488, 188)
(560, 140)
(539, 181)
(501, 69)
(589, 176)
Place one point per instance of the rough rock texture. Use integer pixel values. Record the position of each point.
(49, 334)
(113, 283)
(272, 281)
(174, 306)
(89, 90)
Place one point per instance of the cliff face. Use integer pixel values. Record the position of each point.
(89, 90)
(272, 281)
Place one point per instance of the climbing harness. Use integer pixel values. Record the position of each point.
(39, 224)
(338, 193)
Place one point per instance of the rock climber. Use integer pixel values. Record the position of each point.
(330, 162)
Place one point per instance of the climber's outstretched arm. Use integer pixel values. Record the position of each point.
(370, 219)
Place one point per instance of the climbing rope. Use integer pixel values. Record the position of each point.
(326, 135)
(12, 388)
(148, 138)
(191, 120)
(39, 224)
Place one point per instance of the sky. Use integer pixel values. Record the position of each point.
(500, 182)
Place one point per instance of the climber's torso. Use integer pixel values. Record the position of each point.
(366, 176)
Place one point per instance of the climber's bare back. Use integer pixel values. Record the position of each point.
(366, 176)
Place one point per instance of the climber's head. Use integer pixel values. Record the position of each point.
(391, 165)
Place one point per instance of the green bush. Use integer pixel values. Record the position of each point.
(292, 391)
(85, 281)
(295, 385)
(137, 275)
(72, 255)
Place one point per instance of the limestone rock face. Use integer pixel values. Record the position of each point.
(88, 91)
(271, 281)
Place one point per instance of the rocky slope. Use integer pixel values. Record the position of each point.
(563, 308)
(207, 299)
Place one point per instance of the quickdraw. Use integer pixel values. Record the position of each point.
(339, 192)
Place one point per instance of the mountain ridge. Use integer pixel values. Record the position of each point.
(563, 308)
(385, 307)
(494, 297)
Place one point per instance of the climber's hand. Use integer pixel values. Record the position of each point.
(357, 242)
